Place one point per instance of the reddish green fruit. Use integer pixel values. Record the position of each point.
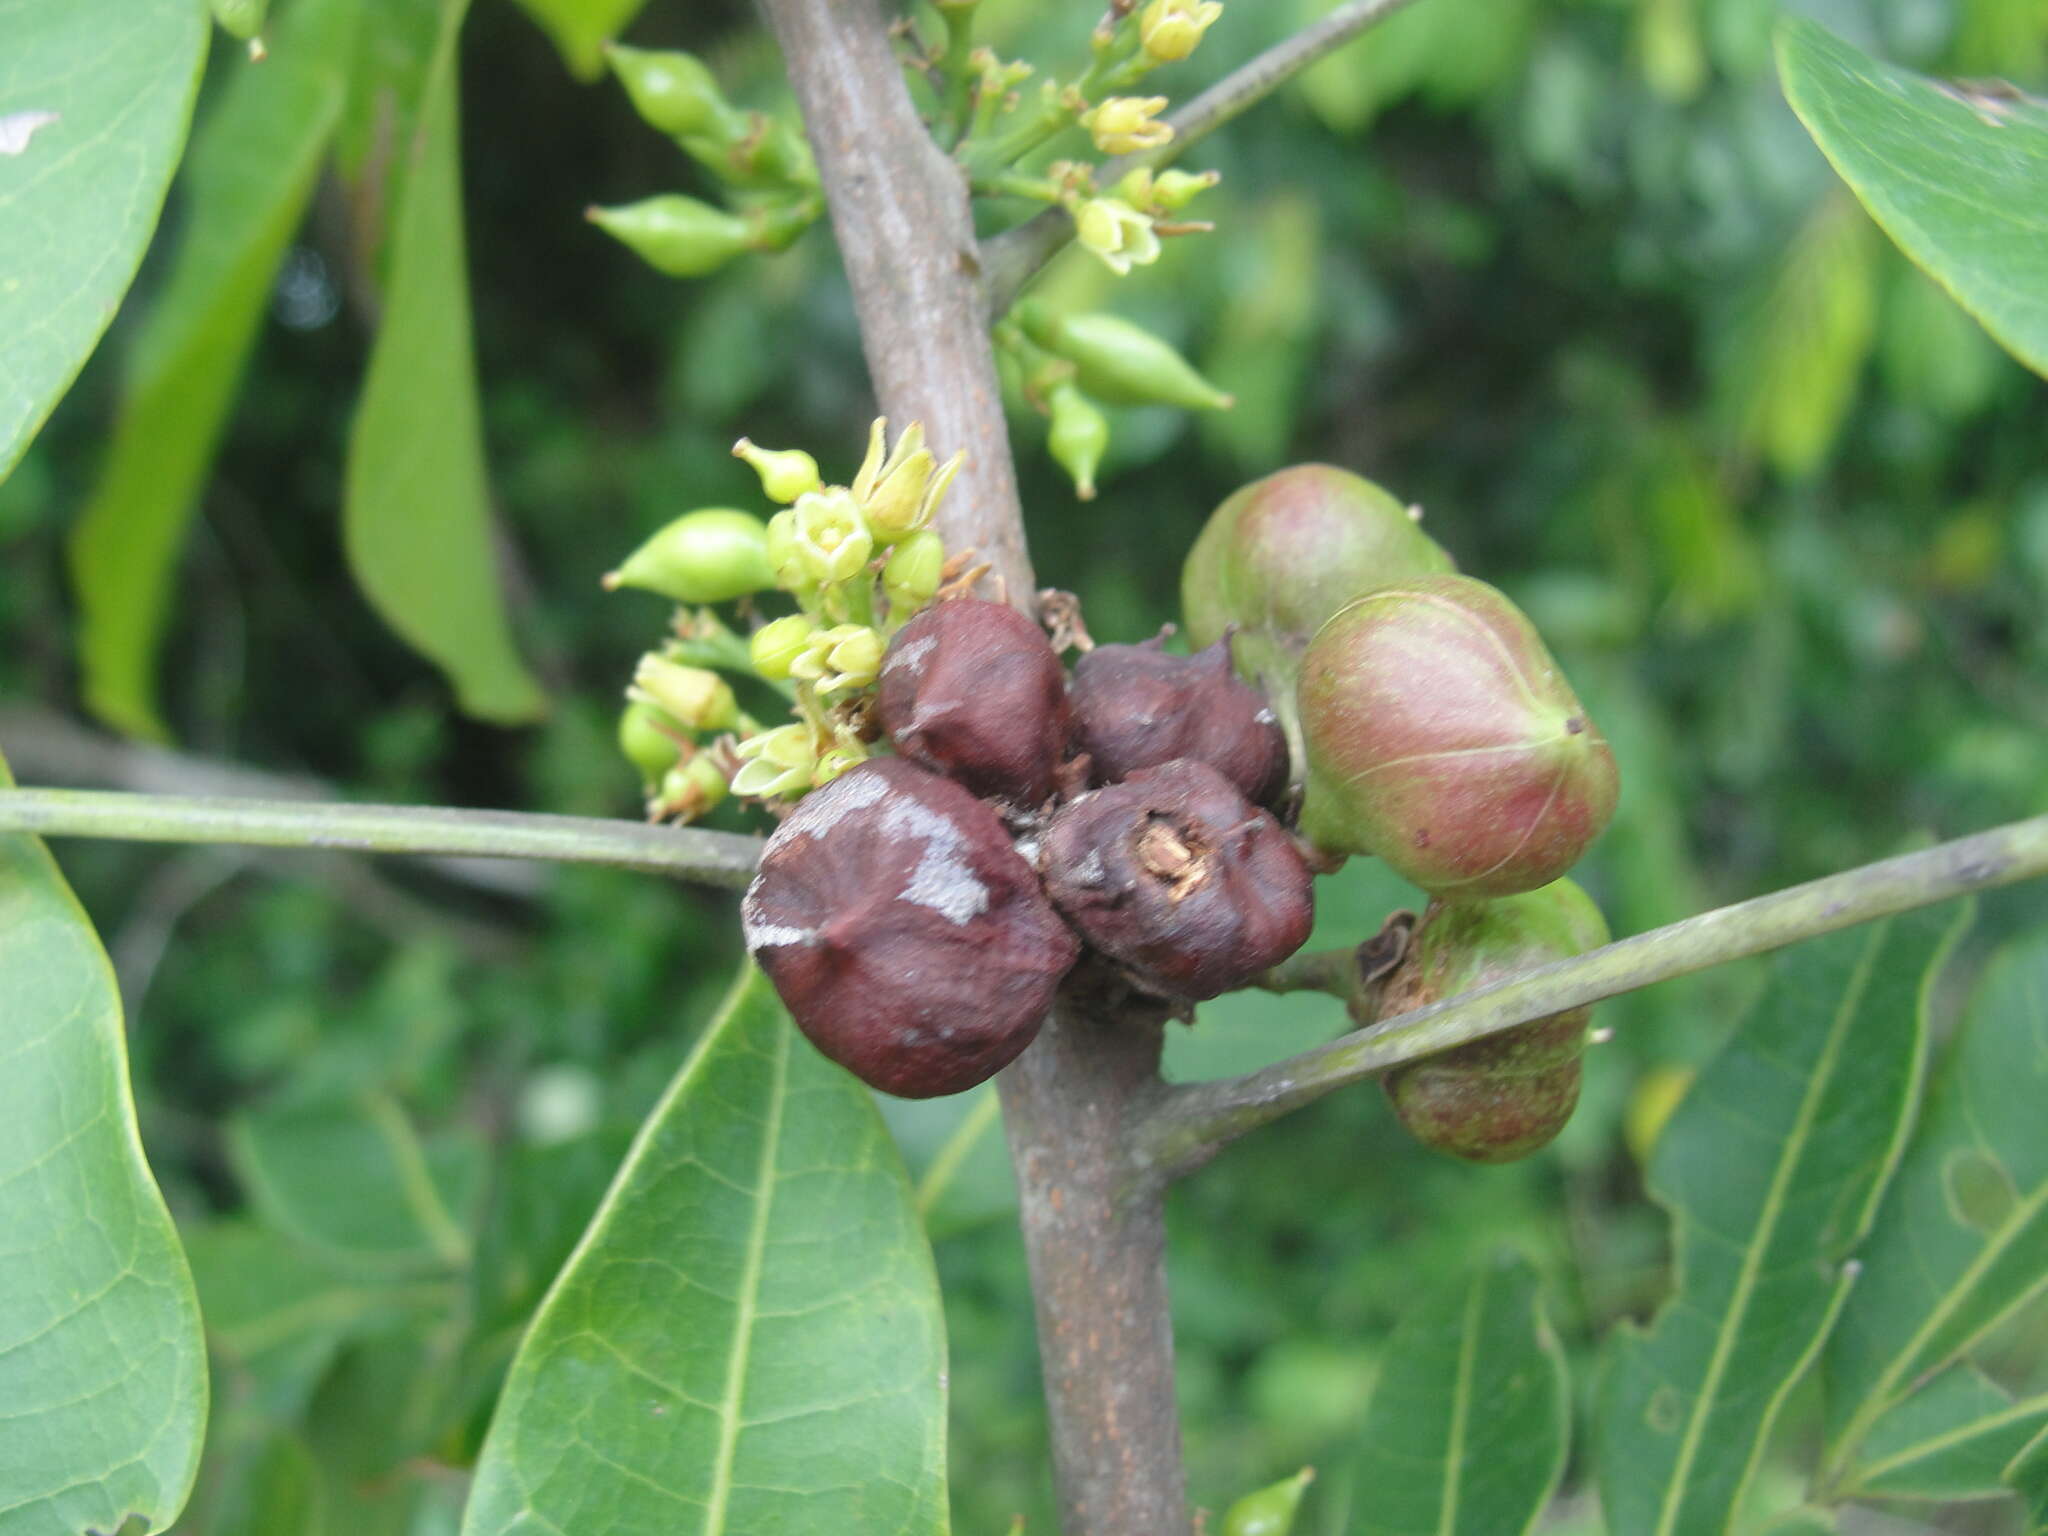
(1284, 553)
(1499, 1098)
(974, 690)
(907, 937)
(1136, 706)
(1441, 736)
(1179, 879)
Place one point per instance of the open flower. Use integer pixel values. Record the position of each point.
(831, 539)
(1116, 232)
(844, 656)
(1123, 125)
(899, 492)
(783, 761)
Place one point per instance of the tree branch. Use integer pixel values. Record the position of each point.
(1187, 1126)
(712, 858)
(1013, 258)
(1097, 1252)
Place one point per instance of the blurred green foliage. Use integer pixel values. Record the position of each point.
(1565, 272)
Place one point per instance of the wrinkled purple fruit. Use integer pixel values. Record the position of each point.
(1178, 878)
(907, 937)
(1500, 1098)
(1136, 707)
(974, 690)
(1441, 736)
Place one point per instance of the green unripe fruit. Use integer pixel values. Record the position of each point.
(1282, 554)
(1441, 736)
(707, 556)
(1502, 1097)
(650, 742)
(675, 93)
(1121, 363)
(676, 235)
(240, 18)
(1078, 437)
(1268, 1511)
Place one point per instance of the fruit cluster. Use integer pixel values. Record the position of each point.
(1434, 731)
(918, 913)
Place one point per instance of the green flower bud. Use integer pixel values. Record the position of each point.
(1174, 190)
(776, 645)
(782, 556)
(675, 235)
(832, 539)
(1120, 363)
(690, 696)
(1117, 233)
(690, 790)
(651, 742)
(912, 576)
(707, 556)
(778, 762)
(1169, 30)
(1124, 125)
(842, 657)
(1078, 437)
(785, 474)
(837, 761)
(241, 19)
(674, 93)
(1268, 1511)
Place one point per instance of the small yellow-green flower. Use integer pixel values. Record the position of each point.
(912, 576)
(1169, 30)
(831, 540)
(844, 656)
(1123, 125)
(778, 762)
(692, 697)
(836, 761)
(774, 647)
(899, 492)
(1116, 232)
(690, 790)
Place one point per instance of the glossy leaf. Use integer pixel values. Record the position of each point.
(579, 29)
(1466, 1431)
(1771, 1168)
(2027, 1476)
(253, 166)
(102, 1365)
(399, 1207)
(1950, 1441)
(93, 94)
(1962, 1241)
(417, 514)
(1956, 174)
(748, 1339)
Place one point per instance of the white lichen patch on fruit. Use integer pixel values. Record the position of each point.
(757, 933)
(822, 810)
(910, 657)
(942, 880)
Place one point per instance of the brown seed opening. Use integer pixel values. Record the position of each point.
(1174, 855)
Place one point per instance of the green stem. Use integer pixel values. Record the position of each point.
(1186, 1126)
(712, 858)
(958, 73)
(1013, 258)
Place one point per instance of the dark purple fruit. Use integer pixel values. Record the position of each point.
(1178, 878)
(1502, 1097)
(1136, 707)
(908, 938)
(1442, 737)
(973, 690)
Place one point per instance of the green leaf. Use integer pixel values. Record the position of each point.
(2028, 1477)
(95, 98)
(399, 1206)
(748, 1339)
(102, 1364)
(579, 29)
(1962, 1242)
(1465, 1434)
(1950, 1441)
(253, 166)
(417, 517)
(1958, 178)
(1770, 1168)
